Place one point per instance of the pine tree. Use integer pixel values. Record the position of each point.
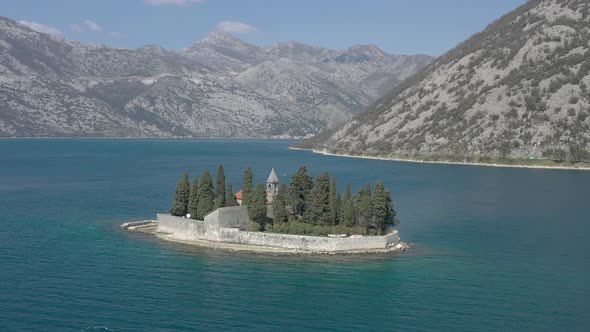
(299, 188)
(180, 206)
(205, 195)
(247, 186)
(219, 188)
(333, 203)
(347, 210)
(364, 209)
(318, 202)
(279, 209)
(230, 200)
(257, 207)
(193, 199)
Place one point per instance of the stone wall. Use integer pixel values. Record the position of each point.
(181, 228)
(234, 216)
(225, 225)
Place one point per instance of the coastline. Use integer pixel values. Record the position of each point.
(270, 138)
(323, 152)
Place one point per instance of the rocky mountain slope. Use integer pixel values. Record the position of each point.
(221, 86)
(519, 89)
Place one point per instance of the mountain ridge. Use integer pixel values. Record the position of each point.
(516, 90)
(55, 87)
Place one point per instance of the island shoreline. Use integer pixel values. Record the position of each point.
(277, 251)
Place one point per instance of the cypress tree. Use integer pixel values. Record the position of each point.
(318, 203)
(247, 186)
(382, 208)
(205, 204)
(279, 209)
(364, 209)
(219, 188)
(180, 206)
(257, 207)
(299, 188)
(193, 199)
(333, 203)
(392, 219)
(347, 211)
(230, 200)
(338, 208)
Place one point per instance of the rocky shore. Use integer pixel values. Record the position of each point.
(583, 167)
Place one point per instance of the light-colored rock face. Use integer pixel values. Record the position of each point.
(518, 89)
(221, 86)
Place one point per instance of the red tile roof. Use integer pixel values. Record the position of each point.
(239, 194)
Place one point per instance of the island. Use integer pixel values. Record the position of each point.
(305, 216)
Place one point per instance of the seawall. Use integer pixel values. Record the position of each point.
(224, 228)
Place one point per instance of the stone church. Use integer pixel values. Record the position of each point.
(272, 188)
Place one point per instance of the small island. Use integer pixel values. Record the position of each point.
(305, 216)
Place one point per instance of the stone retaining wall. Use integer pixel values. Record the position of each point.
(215, 229)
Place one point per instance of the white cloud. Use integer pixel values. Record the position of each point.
(76, 28)
(42, 28)
(235, 27)
(117, 35)
(171, 2)
(92, 25)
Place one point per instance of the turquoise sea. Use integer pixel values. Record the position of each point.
(495, 249)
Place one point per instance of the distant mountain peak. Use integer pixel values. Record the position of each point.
(217, 37)
(370, 48)
(221, 86)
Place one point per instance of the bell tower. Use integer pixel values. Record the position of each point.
(272, 186)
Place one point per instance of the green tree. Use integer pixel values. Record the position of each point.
(347, 210)
(279, 208)
(219, 188)
(247, 186)
(180, 205)
(230, 200)
(318, 202)
(206, 196)
(383, 211)
(364, 209)
(257, 207)
(333, 203)
(193, 199)
(299, 188)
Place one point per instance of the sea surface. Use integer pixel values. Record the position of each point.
(493, 248)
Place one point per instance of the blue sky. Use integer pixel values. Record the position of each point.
(397, 26)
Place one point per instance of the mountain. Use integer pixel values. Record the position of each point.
(517, 90)
(221, 86)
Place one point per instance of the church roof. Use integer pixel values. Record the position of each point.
(272, 178)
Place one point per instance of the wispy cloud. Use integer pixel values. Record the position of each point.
(117, 35)
(42, 28)
(235, 27)
(76, 28)
(93, 25)
(171, 2)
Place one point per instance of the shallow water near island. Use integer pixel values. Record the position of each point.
(494, 248)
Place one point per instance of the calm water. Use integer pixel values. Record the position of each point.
(495, 248)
